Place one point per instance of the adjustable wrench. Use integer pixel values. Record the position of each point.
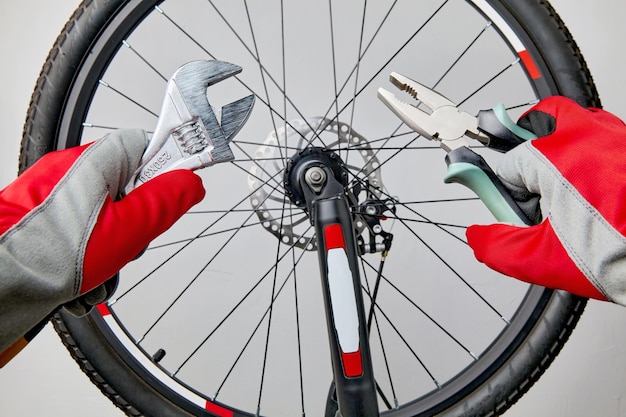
(188, 134)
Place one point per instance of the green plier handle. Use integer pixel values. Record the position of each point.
(470, 169)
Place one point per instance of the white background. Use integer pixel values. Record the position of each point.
(587, 379)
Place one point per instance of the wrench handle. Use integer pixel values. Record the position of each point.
(470, 169)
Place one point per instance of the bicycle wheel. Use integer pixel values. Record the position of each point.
(223, 315)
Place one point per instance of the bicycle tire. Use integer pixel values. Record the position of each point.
(135, 390)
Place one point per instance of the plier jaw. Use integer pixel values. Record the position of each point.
(445, 122)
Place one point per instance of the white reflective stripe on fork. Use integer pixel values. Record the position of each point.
(343, 301)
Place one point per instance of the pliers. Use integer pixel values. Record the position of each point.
(450, 126)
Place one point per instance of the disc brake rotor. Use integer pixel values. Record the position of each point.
(278, 215)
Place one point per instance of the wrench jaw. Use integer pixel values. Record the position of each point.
(235, 115)
(188, 134)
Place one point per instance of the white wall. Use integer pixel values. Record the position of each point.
(587, 379)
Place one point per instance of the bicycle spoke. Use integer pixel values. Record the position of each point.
(237, 359)
(195, 278)
(91, 125)
(387, 368)
(284, 67)
(263, 70)
(421, 216)
(455, 272)
(360, 57)
(382, 67)
(465, 51)
(333, 59)
(408, 346)
(443, 200)
(268, 311)
(121, 94)
(164, 262)
(206, 51)
(421, 310)
(259, 323)
(271, 311)
(372, 318)
(492, 79)
(432, 222)
(143, 59)
(297, 318)
(358, 66)
(237, 305)
(379, 273)
(528, 104)
(382, 396)
(260, 166)
(205, 235)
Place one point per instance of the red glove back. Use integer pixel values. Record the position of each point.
(578, 167)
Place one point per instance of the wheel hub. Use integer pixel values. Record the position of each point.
(303, 167)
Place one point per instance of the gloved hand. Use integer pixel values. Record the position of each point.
(575, 173)
(62, 232)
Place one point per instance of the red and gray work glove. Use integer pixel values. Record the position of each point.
(573, 181)
(63, 234)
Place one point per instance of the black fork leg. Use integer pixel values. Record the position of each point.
(345, 314)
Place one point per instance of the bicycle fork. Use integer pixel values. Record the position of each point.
(317, 172)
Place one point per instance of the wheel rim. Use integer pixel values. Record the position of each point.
(238, 233)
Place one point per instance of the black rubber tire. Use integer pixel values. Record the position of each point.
(137, 393)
